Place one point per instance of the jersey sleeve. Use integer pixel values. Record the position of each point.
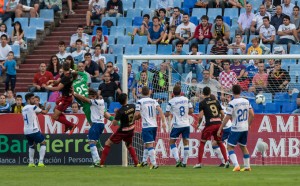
(201, 106)
(219, 105)
(168, 108)
(118, 116)
(37, 109)
(95, 102)
(84, 77)
(138, 106)
(229, 109)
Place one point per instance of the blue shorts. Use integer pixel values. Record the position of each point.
(184, 131)
(238, 138)
(95, 131)
(226, 133)
(149, 134)
(35, 138)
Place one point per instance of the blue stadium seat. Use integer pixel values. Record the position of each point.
(104, 30)
(185, 10)
(281, 97)
(196, 109)
(209, 46)
(124, 21)
(116, 49)
(38, 23)
(124, 40)
(272, 108)
(16, 49)
(113, 106)
(127, 4)
(129, 29)
(109, 57)
(163, 106)
(142, 4)
(95, 86)
(52, 104)
(256, 4)
(164, 49)
(30, 33)
(149, 50)
(111, 40)
(161, 95)
(268, 97)
(288, 61)
(8, 22)
(150, 13)
(23, 20)
(294, 68)
(153, 5)
(137, 21)
(43, 96)
(189, 3)
(213, 13)
(120, 59)
(294, 49)
(186, 48)
(258, 108)
(175, 78)
(201, 48)
(140, 40)
(288, 108)
(47, 14)
(227, 20)
(134, 13)
(132, 50)
(277, 45)
(199, 12)
(248, 95)
(116, 31)
(194, 20)
(23, 95)
(112, 19)
(120, 67)
(231, 12)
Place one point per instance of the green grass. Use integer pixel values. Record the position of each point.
(165, 176)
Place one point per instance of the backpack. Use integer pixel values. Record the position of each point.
(108, 23)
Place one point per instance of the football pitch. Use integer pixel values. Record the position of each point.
(163, 176)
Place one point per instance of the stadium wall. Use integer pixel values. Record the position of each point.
(279, 131)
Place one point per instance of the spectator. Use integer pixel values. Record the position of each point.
(62, 53)
(239, 69)
(278, 79)
(95, 12)
(287, 7)
(54, 65)
(81, 68)
(213, 84)
(216, 3)
(195, 65)
(164, 21)
(114, 77)
(38, 104)
(267, 32)
(257, 21)
(10, 97)
(236, 3)
(137, 89)
(55, 5)
(143, 30)
(271, 65)
(245, 20)
(287, 32)
(169, 35)
(255, 48)
(185, 31)
(70, 6)
(260, 80)
(18, 106)
(227, 78)
(215, 68)
(201, 4)
(156, 32)
(180, 64)
(99, 59)
(220, 29)
(27, 7)
(297, 111)
(220, 48)
(75, 108)
(70, 60)
(295, 19)
(4, 106)
(11, 7)
(10, 65)
(192, 92)
(277, 19)
(3, 30)
(160, 79)
(145, 67)
(18, 35)
(252, 69)
(108, 89)
(237, 47)
(40, 79)
(176, 17)
(83, 37)
(4, 48)
(78, 54)
(92, 68)
(271, 9)
(167, 5)
(100, 39)
(131, 78)
(114, 8)
(203, 32)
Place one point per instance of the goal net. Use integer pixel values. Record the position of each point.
(273, 76)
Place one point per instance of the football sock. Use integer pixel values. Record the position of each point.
(233, 158)
(223, 150)
(94, 153)
(62, 118)
(151, 153)
(133, 155)
(218, 153)
(104, 154)
(185, 154)
(145, 155)
(246, 160)
(174, 151)
(31, 154)
(42, 153)
(200, 152)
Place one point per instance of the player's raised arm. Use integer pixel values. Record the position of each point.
(58, 88)
(191, 109)
(162, 116)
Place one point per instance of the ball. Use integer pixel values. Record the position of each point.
(262, 146)
(260, 99)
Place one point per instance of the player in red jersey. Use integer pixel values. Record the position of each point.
(125, 132)
(64, 84)
(214, 114)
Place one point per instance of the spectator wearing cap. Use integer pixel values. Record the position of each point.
(278, 79)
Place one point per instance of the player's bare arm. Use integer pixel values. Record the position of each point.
(167, 114)
(58, 88)
(162, 116)
(200, 119)
(222, 114)
(46, 110)
(191, 111)
(251, 117)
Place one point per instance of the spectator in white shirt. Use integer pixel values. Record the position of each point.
(257, 21)
(267, 32)
(95, 12)
(287, 32)
(82, 36)
(287, 7)
(245, 20)
(62, 54)
(99, 59)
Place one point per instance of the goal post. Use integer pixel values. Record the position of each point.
(129, 58)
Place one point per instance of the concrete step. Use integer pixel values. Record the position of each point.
(31, 56)
(62, 33)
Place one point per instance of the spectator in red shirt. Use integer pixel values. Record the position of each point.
(203, 32)
(40, 79)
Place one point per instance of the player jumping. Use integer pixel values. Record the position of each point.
(32, 131)
(146, 108)
(180, 107)
(213, 112)
(241, 114)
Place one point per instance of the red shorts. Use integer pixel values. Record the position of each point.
(117, 137)
(210, 131)
(63, 102)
